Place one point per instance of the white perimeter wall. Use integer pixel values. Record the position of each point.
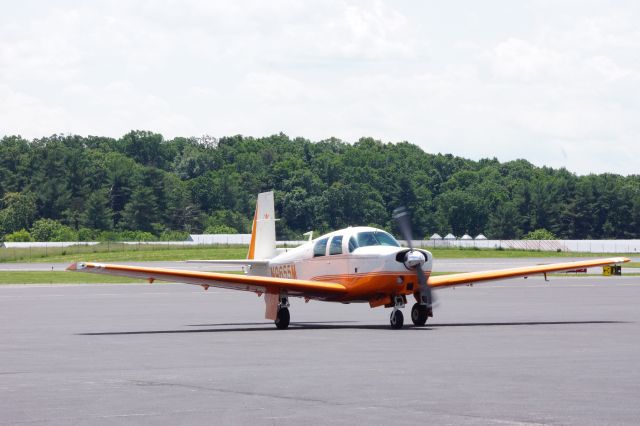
(587, 246)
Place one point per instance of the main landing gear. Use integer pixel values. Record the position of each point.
(419, 314)
(283, 317)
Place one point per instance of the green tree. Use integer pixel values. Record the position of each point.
(181, 213)
(15, 155)
(228, 219)
(18, 211)
(504, 222)
(540, 234)
(220, 229)
(318, 185)
(86, 234)
(52, 230)
(464, 211)
(146, 148)
(97, 214)
(19, 236)
(141, 212)
(51, 176)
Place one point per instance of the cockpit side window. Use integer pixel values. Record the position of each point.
(336, 245)
(352, 244)
(320, 248)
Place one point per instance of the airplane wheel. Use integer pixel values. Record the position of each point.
(419, 314)
(282, 318)
(397, 319)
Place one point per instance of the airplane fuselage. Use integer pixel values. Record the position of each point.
(368, 261)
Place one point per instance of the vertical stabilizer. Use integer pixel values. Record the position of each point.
(263, 232)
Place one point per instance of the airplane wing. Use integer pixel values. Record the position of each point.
(232, 262)
(293, 287)
(473, 277)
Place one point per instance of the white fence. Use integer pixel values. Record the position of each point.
(586, 246)
(215, 239)
(194, 240)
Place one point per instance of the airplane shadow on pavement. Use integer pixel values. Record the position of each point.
(339, 325)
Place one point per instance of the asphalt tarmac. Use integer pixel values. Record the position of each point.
(512, 352)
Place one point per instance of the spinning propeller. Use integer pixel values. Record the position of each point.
(414, 259)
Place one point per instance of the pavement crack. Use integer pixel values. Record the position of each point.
(235, 392)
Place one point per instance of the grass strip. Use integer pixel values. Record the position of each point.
(122, 253)
(60, 277)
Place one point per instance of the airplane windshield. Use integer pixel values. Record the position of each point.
(375, 238)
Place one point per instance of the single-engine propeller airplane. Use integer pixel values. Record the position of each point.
(355, 264)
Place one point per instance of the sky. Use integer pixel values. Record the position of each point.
(554, 82)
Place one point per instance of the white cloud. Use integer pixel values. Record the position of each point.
(554, 83)
(29, 116)
(517, 58)
(610, 70)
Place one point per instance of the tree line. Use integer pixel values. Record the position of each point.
(142, 186)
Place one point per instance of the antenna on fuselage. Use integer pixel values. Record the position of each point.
(310, 234)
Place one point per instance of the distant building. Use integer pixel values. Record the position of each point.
(450, 237)
(466, 237)
(481, 237)
(435, 236)
(220, 238)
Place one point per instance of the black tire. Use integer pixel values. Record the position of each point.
(396, 320)
(419, 314)
(282, 318)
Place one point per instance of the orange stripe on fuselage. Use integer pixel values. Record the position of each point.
(369, 284)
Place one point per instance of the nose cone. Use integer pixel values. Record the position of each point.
(402, 260)
(414, 259)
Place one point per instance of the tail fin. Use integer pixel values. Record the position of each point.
(263, 232)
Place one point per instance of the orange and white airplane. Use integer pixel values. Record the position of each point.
(356, 264)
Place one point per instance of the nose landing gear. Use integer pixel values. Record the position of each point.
(397, 319)
(283, 317)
